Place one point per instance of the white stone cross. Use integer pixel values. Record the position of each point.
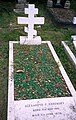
(32, 37)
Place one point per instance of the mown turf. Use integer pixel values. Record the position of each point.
(71, 46)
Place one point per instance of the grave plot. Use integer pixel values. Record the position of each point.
(38, 87)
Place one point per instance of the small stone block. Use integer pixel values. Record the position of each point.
(49, 3)
(21, 1)
(74, 20)
(34, 41)
(18, 10)
(74, 43)
(20, 6)
(73, 37)
(67, 4)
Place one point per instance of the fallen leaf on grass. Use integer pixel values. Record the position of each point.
(20, 71)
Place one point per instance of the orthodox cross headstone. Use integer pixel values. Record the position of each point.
(32, 37)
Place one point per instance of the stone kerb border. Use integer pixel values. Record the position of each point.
(73, 37)
(10, 112)
(11, 102)
(69, 53)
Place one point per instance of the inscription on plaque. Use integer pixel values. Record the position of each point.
(45, 109)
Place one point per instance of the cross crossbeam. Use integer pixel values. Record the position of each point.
(23, 20)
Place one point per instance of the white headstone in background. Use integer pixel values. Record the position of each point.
(22, 1)
(32, 37)
(74, 20)
(73, 37)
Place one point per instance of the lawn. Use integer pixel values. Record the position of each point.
(10, 30)
(71, 46)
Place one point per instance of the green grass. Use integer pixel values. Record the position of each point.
(10, 30)
(71, 46)
(3, 78)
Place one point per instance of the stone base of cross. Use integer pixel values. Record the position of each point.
(32, 37)
(34, 41)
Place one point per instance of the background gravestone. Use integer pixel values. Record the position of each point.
(21, 4)
(58, 3)
(21, 1)
(61, 13)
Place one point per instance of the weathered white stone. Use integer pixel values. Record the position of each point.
(70, 53)
(35, 41)
(49, 3)
(73, 37)
(30, 21)
(58, 1)
(67, 4)
(46, 109)
(22, 1)
(20, 7)
(62, 108)
(74, 42)
(10, 113)
(74, 20)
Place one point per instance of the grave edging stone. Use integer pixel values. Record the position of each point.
(11, 101)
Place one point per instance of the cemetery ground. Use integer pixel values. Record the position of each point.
(10, 31)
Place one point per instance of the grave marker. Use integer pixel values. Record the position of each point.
(21, 1)
(73, 37)
(58, 4)
(32, 37)
(74, 20)
(19, 7)
(61, 108)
